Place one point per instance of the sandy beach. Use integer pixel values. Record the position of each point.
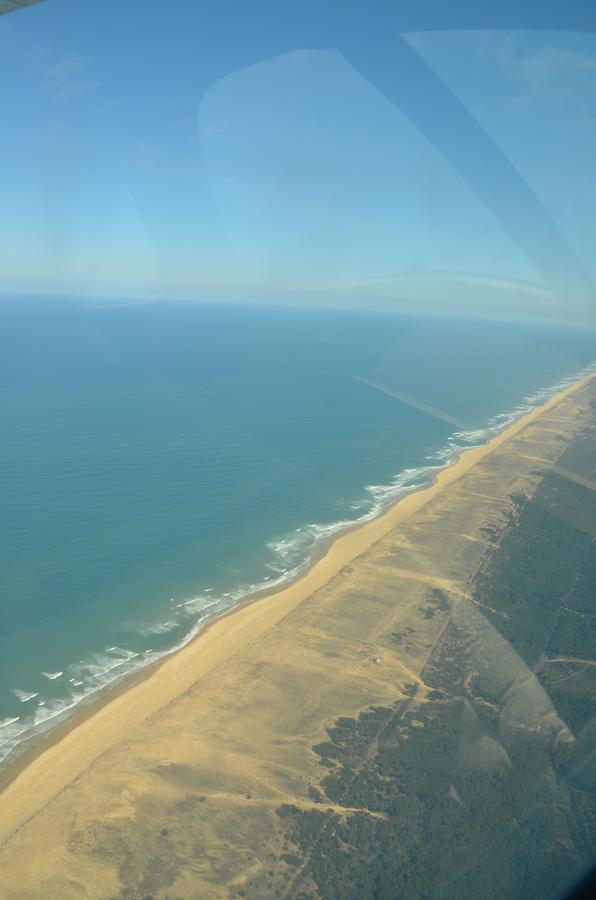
(63, 777)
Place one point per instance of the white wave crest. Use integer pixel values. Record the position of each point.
(152, 628)
(25, 696)
(52, 675)
(4, 723)
(291, 554)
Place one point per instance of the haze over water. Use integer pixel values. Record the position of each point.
(159, 460)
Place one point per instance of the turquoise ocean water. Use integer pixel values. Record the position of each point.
(161, 461)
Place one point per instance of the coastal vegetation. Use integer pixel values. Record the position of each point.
(460, 797)
(389, 726)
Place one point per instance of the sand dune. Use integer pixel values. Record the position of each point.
(233, 713)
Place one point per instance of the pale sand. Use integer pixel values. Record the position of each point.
(62, 763)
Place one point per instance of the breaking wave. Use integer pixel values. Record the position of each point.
(290, 554)
(25, 696)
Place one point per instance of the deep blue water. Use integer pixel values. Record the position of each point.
(163, 453)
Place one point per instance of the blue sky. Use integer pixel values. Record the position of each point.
(194, 155)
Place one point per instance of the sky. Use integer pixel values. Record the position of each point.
(343, 154)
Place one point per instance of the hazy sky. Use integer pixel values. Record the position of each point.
(220, 152)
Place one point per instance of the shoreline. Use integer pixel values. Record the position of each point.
(36, 742)
(24, 751)
(62, 754)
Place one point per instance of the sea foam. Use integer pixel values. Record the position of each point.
(25, 696)
(290, 555)
(4, 723)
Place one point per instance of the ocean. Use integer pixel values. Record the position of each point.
(162, 461)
